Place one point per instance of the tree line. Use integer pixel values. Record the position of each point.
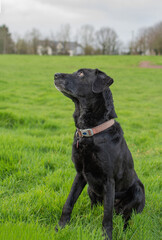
(148, 41)
(103, 41)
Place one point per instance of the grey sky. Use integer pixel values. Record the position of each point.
(124, 16)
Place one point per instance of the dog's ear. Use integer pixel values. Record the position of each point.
(101, 82)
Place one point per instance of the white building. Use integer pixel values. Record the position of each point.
(59, 48)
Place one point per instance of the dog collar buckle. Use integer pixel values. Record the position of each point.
(85, 132)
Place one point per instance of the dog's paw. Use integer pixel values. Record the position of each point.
(62, 224)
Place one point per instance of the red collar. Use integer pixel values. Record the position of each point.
(92, 131)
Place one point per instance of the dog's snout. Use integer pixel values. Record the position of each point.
(58, 75)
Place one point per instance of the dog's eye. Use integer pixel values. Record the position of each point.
(80, 74)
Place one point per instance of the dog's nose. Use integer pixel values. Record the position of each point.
(57, 75)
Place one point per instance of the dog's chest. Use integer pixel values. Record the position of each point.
(87, 162)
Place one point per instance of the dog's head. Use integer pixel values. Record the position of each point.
(83, 83)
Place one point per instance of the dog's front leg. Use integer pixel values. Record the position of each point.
(77, 187)
(109, 195)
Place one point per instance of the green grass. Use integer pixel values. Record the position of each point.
(36, 133)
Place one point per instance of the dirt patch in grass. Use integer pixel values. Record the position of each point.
(146, 64)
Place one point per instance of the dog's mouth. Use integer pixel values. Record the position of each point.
(63, 85)
(59, 84)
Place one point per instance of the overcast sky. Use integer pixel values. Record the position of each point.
(124, 16)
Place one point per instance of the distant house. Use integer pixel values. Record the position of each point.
(46, 47)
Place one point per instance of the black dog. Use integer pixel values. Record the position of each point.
(100, 154)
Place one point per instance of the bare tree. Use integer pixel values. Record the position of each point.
(64, 37)
(107, 40)
(32, 38)
(155, 40)
(86, 34)
(142, 41)
(21, 46)
(149, 41)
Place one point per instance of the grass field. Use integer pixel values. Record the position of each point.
(36, 133)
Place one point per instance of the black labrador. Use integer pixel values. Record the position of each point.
(102, 160)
